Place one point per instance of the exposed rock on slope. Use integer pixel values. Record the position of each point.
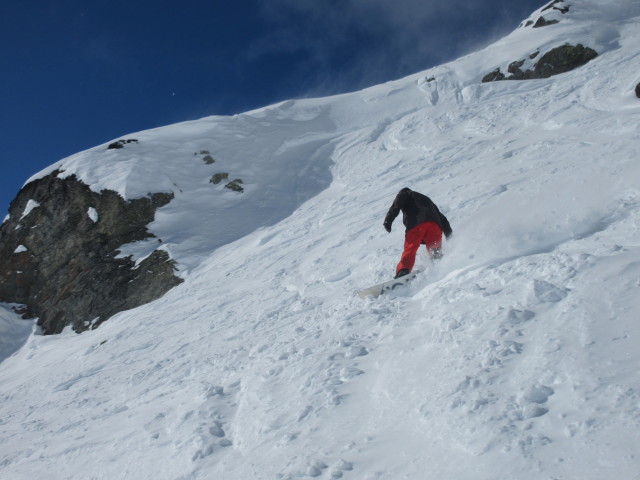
(555, 9)
(59, 248)
(121, 144)
(557, 60)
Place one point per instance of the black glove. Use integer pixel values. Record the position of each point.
(387, 227)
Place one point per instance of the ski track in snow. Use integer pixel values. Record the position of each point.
(513, 357)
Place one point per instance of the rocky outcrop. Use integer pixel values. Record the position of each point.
(543, 22)
(59, 254)
(235, 185)
(563, 59)
(555, 6)
(494, 76)
(638, 90)
(558, 60)
(121, 143)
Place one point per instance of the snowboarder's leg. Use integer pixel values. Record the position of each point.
(412, 241)
(432, 238)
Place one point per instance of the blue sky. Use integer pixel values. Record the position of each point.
(77, 73)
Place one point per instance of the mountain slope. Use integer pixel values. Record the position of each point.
(514, 357)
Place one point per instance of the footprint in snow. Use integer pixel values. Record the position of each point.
(216, 430)
(334, 398)
(347, 373)
(340, 468)
(516, 317)
(208, 420)
(546, 292)
(511, 348)
(533, 411)
(537, 394)
(316, 469)
(533, 398)
(336, 277)
(356, 351)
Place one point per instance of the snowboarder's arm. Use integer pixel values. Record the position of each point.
(392, 213)
(446, 227)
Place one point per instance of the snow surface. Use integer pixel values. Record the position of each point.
(14, 332)
(93, 214)
(516, 356)
(31, 204)
(20, 249)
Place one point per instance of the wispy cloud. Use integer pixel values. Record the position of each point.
(391, 37)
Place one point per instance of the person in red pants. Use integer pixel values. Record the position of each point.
(424, 224)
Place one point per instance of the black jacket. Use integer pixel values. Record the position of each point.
(416, 209)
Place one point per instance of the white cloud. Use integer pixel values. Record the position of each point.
(388, 38)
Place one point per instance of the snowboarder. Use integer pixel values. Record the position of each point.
(424, 225)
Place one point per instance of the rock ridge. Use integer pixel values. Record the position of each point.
(557, 60)
(59, 254)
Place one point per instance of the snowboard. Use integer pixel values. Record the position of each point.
(378, 290)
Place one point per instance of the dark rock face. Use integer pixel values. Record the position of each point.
(558, 5)
(558, 60)
(59, 260)
(514, 68)
(121, 143)
(553, 5)
(493, 76)
(563, 59)
(235, 185)
(638, 90)
(543, 22)
(219, 177)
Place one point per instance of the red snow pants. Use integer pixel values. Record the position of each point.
(428, 233)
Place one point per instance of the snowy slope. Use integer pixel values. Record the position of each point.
(514, 357)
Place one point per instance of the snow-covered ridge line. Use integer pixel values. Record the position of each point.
(134, 171)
